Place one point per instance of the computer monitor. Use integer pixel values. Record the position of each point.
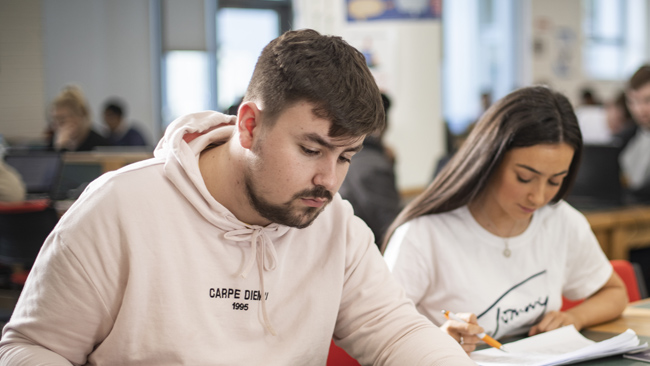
(39, 170)
(74, 178)
(598, 182)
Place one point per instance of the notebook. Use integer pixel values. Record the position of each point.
(562, 346)
(643, 355)
(39, 171)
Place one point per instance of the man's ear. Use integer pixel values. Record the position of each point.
(248, 123)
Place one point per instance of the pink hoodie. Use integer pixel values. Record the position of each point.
(146, 268)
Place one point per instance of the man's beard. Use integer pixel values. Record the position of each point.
(285, 213)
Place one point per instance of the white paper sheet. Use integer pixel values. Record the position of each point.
(561, 346)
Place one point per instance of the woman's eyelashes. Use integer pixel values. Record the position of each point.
(551, 182)
(522, 180)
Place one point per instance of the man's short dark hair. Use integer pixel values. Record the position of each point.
(115, 106)
(326, 71)
(640, 78)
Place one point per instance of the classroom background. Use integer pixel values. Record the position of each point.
(434, 59)
(441, 63)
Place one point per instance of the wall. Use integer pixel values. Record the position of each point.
(409, 57)
(105, 46)
(21, 70)
(102, 46)
(558, 62)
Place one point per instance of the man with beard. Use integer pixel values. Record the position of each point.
(231, 246)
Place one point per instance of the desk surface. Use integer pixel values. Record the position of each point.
(620, 229)
(636, 317)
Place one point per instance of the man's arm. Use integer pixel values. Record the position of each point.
(378, 325)
(59, 317)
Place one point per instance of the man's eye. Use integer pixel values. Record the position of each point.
(343, 159)
(308, 151)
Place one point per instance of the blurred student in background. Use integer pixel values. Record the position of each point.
(120, 131)
(370, 184)
(592, 119)
(619, 120)
(71, 123)
(12, 188)
(491, 237)
(635, 158)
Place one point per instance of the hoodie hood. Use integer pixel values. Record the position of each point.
(184, 140)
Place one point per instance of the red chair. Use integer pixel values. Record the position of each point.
(626, 271)
(338, 357)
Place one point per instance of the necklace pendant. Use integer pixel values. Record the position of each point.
(506, 253)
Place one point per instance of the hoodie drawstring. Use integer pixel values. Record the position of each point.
(264, 262)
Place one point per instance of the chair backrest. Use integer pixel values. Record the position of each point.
(625, 270)
(23, 229)
(338, 357)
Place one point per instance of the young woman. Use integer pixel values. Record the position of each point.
(491, 237)
(71, 123)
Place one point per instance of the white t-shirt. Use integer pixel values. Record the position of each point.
(449, 261)
(635, 160)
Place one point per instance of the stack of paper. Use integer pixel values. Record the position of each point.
(561, 346)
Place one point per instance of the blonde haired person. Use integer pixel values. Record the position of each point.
(12, 187)
(71, 122)
(491, 237)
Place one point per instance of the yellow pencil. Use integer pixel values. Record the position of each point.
(486, 338)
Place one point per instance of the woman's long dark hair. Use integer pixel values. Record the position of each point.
(526, 117)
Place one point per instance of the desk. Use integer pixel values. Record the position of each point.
(109, 160)
(636, 317)
(621, 229)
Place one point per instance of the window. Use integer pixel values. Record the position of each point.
(239, 46)
(479, 57)
(243, 28)
(187, 87)
(614, 38)
(209, 50)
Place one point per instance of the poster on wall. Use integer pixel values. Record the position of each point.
(380, 48)
(367, 10)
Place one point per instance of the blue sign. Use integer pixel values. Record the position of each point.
(367, 10)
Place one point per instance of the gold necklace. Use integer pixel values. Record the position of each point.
(506, 251)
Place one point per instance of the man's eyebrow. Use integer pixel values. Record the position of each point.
(330, 146)
(539, 173)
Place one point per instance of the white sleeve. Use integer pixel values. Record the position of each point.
(409, 261)
(587, 267)
(378, 324)
(46, 326)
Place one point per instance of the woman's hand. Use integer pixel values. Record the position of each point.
(553, 320)
(65, 137)
(464, 333)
